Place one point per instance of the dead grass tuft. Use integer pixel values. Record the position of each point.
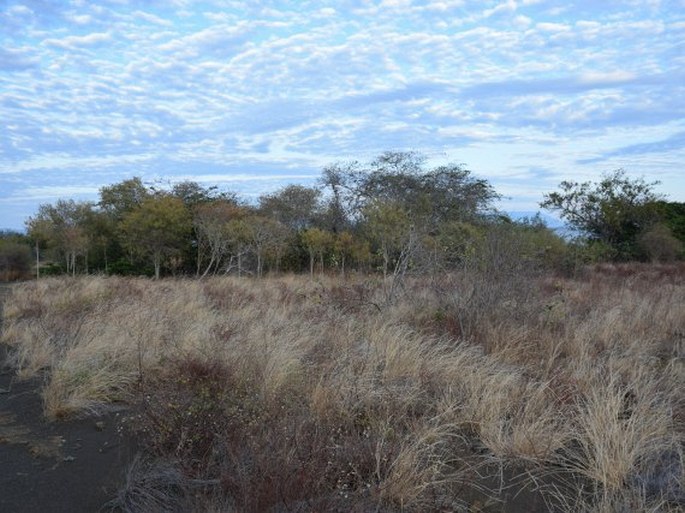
(287, 394)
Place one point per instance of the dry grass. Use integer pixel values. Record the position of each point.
(287, 394)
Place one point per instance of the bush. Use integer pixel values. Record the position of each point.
(15, 260)
(659, 245)
(123, 267)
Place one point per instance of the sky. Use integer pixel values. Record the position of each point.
(254, 95)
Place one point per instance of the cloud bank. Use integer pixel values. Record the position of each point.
(258, 94)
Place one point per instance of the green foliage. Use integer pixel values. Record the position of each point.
(52, 269)
(388, 227)
(459, 241)
(428, 196)
(119, 199)
(393, 213)
(14, 236)
(348, 248)
(15, 257)
(266, 237)
(541, 245)
(124, 267)
(523, 247)
(157, 229)
(404, 211)
(672, 215)
(213, 234)
(295, 206)
(581, 252)
(317, 242)
(659, 245)
(63, 227)
(613, 211)
(193, 194)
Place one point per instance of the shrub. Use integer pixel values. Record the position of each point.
(15, 260)
(659, 245)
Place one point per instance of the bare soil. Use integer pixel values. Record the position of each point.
(67, 466)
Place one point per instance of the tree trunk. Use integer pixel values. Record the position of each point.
(209, 267)
(37, 261)
(157, 261)
(386, 259)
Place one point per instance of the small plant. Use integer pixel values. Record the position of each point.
(185, 407)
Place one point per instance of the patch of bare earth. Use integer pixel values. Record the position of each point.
(62, 466)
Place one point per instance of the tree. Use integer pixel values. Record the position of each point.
(344, 245)
(157, 229)
(263, 234)
(459, 242)
(101, 230)
(447, 192)
(389, 226)
(295, 206)
(63, 226)
(117, 201)
(39, 231)
(210, 221)
(317, 242)
(121, 198)
(614, 211)
(239, 243)
(193, 194)
(402, 206)
(340, 200)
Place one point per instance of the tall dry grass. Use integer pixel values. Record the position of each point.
(319, 395)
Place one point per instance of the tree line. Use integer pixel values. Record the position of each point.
(391, 216)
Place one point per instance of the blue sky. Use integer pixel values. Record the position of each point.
(253, 95)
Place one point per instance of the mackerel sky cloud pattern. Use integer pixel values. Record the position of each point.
(252, 95)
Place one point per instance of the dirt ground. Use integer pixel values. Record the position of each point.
(58, 467)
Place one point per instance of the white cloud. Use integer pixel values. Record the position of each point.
(395, 4)
(151, 18)
(602, 78)
(42, 193)
(145, 86)
(509, 6)
(75, 42)
(237, 178)
(553, 27)
(81, 19)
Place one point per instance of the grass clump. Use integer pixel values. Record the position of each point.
(287, 394)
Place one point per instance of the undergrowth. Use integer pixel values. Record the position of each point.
(468, 393)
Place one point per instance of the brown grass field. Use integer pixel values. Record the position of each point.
(463, 392)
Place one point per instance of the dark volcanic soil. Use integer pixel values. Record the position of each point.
(55, 467)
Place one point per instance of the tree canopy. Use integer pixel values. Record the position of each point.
(614, 210)
(392, 215)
